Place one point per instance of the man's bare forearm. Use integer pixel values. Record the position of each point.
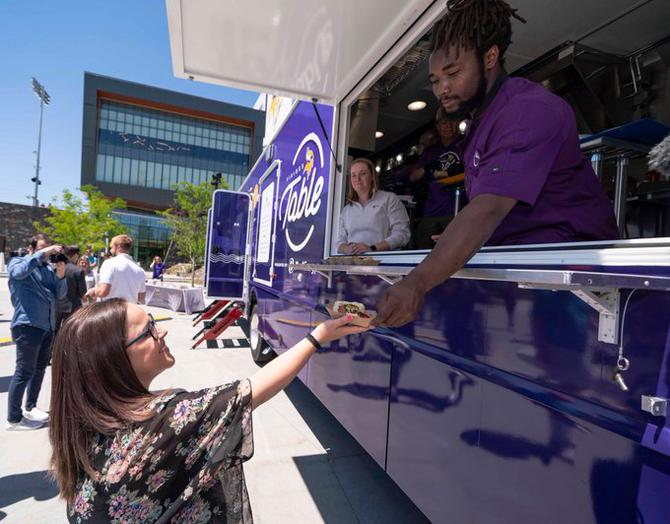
(462, 238)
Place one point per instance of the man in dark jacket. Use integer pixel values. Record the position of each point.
(76, 287)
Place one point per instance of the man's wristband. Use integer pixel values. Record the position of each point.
(314, 342)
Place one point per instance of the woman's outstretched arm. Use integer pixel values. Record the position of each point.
(278, 373)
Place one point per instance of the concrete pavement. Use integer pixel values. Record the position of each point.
(306, 467)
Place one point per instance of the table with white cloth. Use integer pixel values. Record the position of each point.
(177, 297)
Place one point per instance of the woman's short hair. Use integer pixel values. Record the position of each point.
(94, 389)
(352, 196)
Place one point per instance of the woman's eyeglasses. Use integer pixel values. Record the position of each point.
(149, 331)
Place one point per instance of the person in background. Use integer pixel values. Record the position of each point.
(372, 220)
(76, 286)
(157, 267)
(123, 452)
(90, 276)
(34, 287)
(438, 162)
(90, 256)
(120, 276)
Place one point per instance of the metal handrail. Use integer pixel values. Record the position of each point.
(557, 279)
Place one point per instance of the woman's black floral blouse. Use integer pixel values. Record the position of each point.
(182, 465)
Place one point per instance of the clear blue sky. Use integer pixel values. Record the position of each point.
(56, 42)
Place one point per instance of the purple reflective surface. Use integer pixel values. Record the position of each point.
(227, 241)
(301, 198)
(501, 404)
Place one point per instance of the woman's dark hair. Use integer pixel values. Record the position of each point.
(478, 24)
(94, 389)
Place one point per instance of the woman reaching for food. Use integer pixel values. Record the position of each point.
(122, 453)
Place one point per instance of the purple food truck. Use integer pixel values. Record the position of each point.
(533, 385)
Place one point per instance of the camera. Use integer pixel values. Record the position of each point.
(57, 257)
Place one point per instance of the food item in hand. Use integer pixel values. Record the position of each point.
(361, 316)
(352, 308)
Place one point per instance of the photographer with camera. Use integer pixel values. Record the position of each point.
(34, 286)
(438, 162)
(76, 286)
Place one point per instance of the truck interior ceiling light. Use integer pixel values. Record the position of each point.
(416, 105)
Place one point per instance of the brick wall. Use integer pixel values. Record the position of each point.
(16, 224)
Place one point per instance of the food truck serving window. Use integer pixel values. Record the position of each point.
(389, 119)
(290, 47)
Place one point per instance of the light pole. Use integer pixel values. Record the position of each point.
(44, 99)
(216, 180)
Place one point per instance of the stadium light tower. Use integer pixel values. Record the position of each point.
(44, 99)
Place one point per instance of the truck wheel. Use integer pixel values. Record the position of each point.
(260, 350)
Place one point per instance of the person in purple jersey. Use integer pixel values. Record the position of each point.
(438, 162)
(525, 176)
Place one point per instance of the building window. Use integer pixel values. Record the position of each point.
(150, 148)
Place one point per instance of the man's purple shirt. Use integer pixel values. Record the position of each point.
(525, 146)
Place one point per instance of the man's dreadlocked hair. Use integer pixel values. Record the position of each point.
(476, 23)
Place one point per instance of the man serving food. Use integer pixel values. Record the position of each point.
(525, 176)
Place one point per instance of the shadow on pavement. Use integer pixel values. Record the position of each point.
(368, 491)
(36, 485)
(4, 384)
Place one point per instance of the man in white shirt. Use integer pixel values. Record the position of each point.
(120, 276)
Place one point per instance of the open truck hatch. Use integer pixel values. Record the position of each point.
(323, 49)
(290, 47)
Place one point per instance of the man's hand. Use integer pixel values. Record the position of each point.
(400, 303)
(60, 269)
(91, 294)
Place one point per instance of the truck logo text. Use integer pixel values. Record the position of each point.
(302, 197)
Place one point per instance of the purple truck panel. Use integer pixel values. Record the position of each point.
(226, 244)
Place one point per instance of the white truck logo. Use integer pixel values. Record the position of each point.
(302, 197)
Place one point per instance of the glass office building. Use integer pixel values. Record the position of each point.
(151, 235)
(139, 142)
(145, 147)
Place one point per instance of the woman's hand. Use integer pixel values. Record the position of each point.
(337, 328)
(345, 249)
(358, 247)
(354, 248)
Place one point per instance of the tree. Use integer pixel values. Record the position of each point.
(80, 221)
(188, 220)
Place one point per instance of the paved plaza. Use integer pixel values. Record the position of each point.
(306, 467)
